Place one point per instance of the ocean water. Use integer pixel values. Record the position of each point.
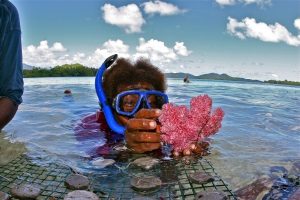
(261, 128)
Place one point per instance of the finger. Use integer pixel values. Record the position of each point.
(143, 137)
(176, 153)
(144, 147)
(198, 149)
(141, 124)
(158, 128)
(187, 152)
(193, 146)
(148, 113)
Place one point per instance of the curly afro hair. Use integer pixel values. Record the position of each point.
(123, 72)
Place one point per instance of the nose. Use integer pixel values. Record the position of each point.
(143, 104)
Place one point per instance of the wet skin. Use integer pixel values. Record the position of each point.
(142, 131)
(7, 111)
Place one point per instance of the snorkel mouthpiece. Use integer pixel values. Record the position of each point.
(110, 60)
(106, 108)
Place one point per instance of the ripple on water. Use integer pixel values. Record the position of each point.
(260, 128)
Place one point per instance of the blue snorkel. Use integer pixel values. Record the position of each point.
(106, 108)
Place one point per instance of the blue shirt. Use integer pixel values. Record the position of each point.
(11, 78)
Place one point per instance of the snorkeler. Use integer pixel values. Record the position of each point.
(68, 92)
(131, 96)
(186, 79)
(134, 95)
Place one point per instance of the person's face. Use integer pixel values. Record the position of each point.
(129, 101)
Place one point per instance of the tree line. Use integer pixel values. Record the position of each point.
(80, 70)
(60, 71)
(285, 82)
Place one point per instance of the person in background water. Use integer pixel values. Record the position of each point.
(142, 130)
(11, 78)
(186, 79)
(68, 92)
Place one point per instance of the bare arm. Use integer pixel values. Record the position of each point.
(11, 78)
(8, 110)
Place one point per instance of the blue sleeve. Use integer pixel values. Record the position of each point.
(11, 78)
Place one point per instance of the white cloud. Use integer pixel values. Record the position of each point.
(45, 56)
(259, 2)
(109, 48)
(58, 47)
(297, 23)
(248, 27)
(161, 8)
(180, 49)
(233, 2)
(42, 55)
(158, 52)
(128, 17)
(154, 50)
(225, 2)
(275, 76)
(115, 46)
(77, 58)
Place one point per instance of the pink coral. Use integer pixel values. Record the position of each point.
(181, 126)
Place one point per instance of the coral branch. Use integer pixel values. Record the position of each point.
(181, 126)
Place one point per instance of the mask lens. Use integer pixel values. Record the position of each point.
(156, 101)
(128, 102)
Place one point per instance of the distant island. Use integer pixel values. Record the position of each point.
(59, 71)
(210, 76)
(285, 82)
(68, 70)
(215, 76)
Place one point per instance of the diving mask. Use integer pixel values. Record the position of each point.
(130, 102)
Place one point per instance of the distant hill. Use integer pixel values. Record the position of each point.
(80, 70)
(179, 75)
(210, 76)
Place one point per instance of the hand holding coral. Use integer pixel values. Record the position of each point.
(142, 134)
(199, 148)
(185, 128)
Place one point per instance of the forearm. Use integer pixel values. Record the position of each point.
(7, 111)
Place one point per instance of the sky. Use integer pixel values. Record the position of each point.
(256, 39)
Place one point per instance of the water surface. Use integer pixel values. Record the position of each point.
(261, 128)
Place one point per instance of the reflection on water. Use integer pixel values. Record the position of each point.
(260, 129)
(9, 148)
